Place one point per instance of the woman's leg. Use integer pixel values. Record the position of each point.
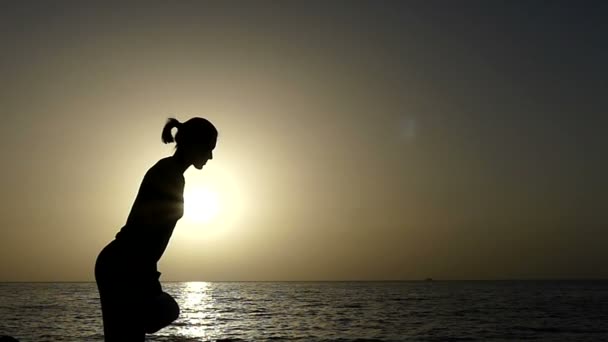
(121, 319)
(120, 303)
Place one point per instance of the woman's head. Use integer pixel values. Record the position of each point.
(195, 139)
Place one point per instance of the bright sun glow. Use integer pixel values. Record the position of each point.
(212, 203)
(201, 204)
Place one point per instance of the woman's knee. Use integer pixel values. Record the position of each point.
(160, 312)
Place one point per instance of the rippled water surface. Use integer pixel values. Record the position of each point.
(328, 311)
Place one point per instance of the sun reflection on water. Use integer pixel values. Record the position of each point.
(197, 311)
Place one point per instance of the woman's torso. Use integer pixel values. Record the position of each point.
(157, 208)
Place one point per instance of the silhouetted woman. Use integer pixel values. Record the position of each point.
(132, 300)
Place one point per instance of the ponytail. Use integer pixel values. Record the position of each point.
(166, 136)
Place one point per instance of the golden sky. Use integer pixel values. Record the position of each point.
(368, 141)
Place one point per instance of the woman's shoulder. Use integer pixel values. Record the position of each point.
(166, 169)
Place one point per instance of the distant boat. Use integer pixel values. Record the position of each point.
(428, 279)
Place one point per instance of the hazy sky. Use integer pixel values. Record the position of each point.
(358, 140)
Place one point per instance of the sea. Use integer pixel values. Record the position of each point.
(328, 311)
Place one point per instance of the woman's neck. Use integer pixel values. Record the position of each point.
(181, 162)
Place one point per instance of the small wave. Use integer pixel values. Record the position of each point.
(562, 330)
(40, 307)
(355, 340)
(173, 339)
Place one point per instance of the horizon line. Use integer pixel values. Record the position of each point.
(327, 281)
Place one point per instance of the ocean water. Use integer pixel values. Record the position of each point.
(328, 311)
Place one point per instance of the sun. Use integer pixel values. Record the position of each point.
(214, 204)
(201, 204)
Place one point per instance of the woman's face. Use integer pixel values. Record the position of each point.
(202, 153)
